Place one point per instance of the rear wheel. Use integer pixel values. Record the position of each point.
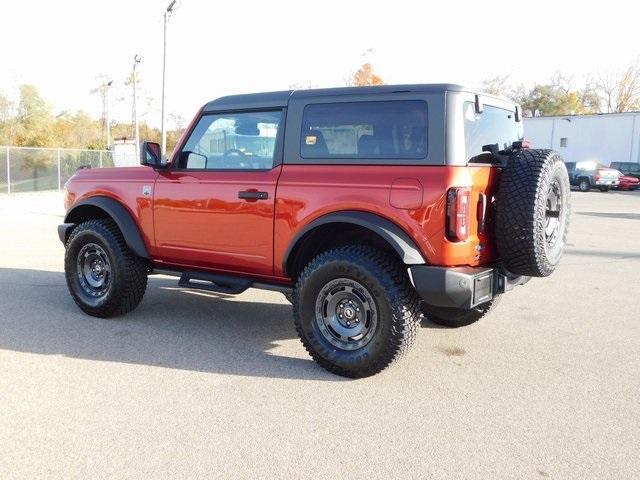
(355, 310)
(104, 277)
(457, 317)
(604, 189)
(584, 185)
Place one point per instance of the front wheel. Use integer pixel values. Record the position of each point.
(604, 189)
(355, 310)
(104, 277)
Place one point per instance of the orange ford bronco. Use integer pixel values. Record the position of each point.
(367, 207)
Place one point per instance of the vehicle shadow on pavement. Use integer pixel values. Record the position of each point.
(171, 328)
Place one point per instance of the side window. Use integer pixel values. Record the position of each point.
(365, 130)
(233, 141)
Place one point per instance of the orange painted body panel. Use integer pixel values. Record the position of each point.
(195, 219)
(200, 221)
(307, 192)
(121, 184)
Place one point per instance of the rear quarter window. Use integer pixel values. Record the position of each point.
(393, 130)
(493, 126)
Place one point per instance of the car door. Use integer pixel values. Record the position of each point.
(214, 208)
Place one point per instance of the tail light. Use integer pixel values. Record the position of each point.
(458, 213)
(597, 176)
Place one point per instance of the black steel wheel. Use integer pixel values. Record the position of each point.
(94, 271)
(104, 277)
(355, 310)
(346, 314)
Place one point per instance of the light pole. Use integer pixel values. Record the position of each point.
(136, 60)
(107, 117)
(167, 13)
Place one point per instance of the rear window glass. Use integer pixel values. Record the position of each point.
(493, 125)
(365, 130)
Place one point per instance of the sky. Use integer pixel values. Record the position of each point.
(223, 47)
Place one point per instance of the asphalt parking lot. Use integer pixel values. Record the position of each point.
(200, 385)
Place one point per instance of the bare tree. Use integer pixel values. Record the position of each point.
(620, 91)
(498, 85)
(562, 82)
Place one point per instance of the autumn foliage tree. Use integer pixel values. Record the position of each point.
(611, 93)
(29, 122)
(365, 76)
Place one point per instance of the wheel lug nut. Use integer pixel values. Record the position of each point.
(340, 315)
(348, 323)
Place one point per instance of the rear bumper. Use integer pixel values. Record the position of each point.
(461, 287)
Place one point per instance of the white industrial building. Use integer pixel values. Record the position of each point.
(603, 138)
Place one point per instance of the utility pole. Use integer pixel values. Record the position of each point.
(136, 60)
(107, 117)
(167, 13)
(103, 89)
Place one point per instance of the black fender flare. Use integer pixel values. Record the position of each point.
(120, 215)
(395, 236)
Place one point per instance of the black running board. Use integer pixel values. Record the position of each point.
(214, 282)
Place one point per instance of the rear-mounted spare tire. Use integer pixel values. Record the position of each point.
(532, 212)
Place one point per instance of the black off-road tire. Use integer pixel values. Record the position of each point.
(603, 189)
(457, 317)
(397, 304)
(128, 272)
(531, 180)
(584, 185)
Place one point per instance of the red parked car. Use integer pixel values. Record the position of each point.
(627, 182)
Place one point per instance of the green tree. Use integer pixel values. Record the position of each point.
(35, 129)
(7, 120)
(35, 118)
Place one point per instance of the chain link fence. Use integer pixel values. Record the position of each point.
(30, 169)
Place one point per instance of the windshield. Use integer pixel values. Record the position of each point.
(493, 125)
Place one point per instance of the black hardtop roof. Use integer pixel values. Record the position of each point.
(281, 98)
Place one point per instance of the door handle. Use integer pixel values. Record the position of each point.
(253, 195)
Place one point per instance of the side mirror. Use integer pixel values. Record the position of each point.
(150, 154)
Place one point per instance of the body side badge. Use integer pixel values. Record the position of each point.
(146, 190)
